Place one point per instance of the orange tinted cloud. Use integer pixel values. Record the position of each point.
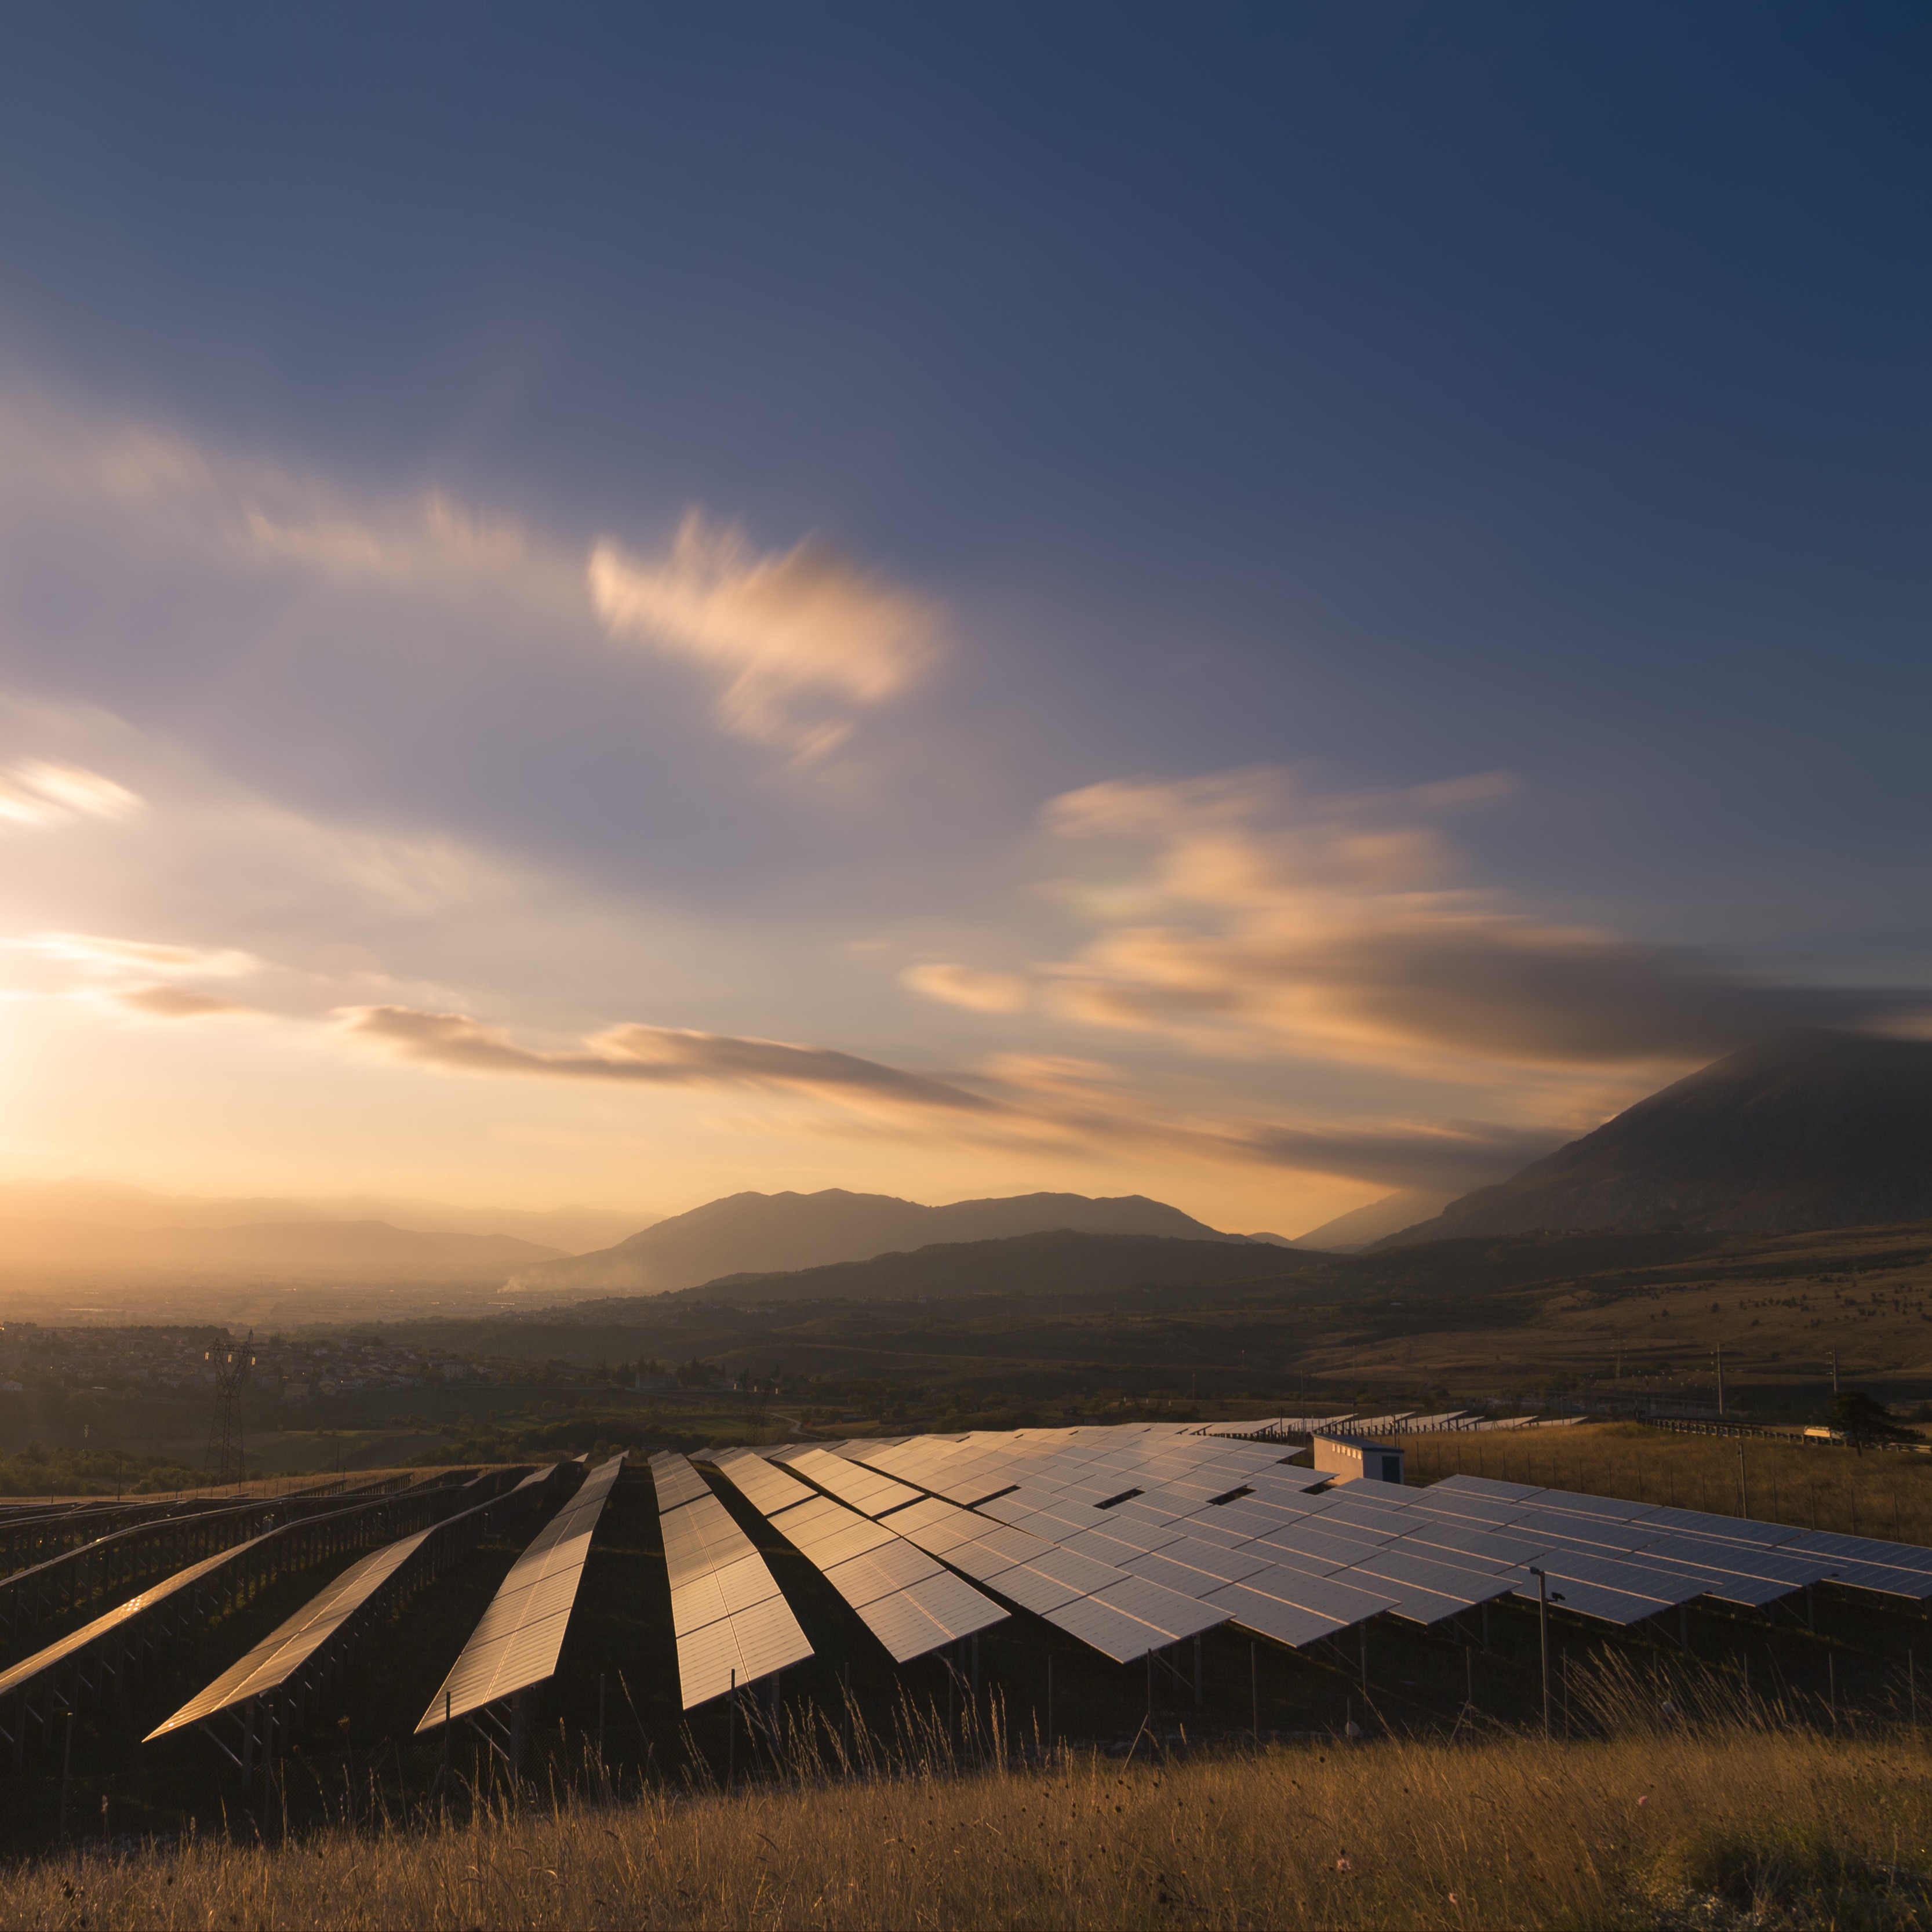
(1020, 1100)
(1257, 914)
(803, 636)
(177, 1003)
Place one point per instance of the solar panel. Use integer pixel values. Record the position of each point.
(290, 1645)
(861, 1580)
(1208, 1559)
(770, 1489)
(1112, 1632)
(1329, 1596)
(677, 1482)
(1032, 1589)
(1270, 1617)
(865, 1490)
(1490, 1486)
(1861, 1550)
(731, 1621)
(1400, 1564)
(517, 1642)
(64, 1647)
(898, 1591)
(955, 1607)
(1168, 1612)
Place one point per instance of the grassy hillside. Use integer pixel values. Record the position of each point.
(1736, 1823)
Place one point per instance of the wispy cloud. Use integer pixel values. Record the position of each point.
(966, 986)
(149, 957)
(654, 1056)
(1082, 1109)
(803, 636)
(1240, 912)
(36, 791)
(177, 1003)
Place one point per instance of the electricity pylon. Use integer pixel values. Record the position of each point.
(226, 1453)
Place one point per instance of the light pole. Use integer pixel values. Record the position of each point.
(1545, 1596)
(1721, 1378)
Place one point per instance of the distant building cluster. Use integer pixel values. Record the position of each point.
(130, 1362)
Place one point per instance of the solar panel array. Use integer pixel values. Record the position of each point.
(289, 1646)
(1226, 1527)
(733, 1625)
(1075, 1523)
(910, 1603)
(1735, 1559)
(517, 1642)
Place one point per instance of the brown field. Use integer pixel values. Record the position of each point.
(1886, 1493)
(1728, 1818)
(1781, 1305)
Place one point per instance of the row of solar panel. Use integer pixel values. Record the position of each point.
(1299, 1566)
(733, 1626)
(910, 1603)
(515, 1644)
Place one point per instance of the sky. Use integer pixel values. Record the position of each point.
(1262, 605)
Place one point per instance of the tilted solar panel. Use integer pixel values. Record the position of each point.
(290, 1645)
(62, 1648)
(897, 1590)
(677, 1482)
(865, 1489)
(733, 1625)
(768, 1485)
(517, 1642)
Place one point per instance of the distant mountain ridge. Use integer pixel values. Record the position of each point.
(765, 1234)
(1808, 1130)
(1056, 1260)
(1363, 1227)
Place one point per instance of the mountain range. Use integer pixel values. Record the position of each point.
(763, 1234)
(1058, 1261)
(1806, 1130)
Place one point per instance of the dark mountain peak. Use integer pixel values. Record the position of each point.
(752, 1233)
(1805, 1129)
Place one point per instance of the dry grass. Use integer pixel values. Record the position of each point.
(1724, 1817)
(1882, 1493)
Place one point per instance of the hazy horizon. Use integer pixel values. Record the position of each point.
(1263, 609)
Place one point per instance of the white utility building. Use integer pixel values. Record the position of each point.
(1353, 1458)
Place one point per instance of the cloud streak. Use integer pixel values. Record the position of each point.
(177, 1003)
(36, 791)
(1249, 915)
(655, 1056)
(1020, 1101)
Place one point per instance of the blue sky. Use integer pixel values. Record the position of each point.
(1257, 605)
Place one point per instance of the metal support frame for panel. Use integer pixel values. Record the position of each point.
(1162, 1659)
(504, 1728)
